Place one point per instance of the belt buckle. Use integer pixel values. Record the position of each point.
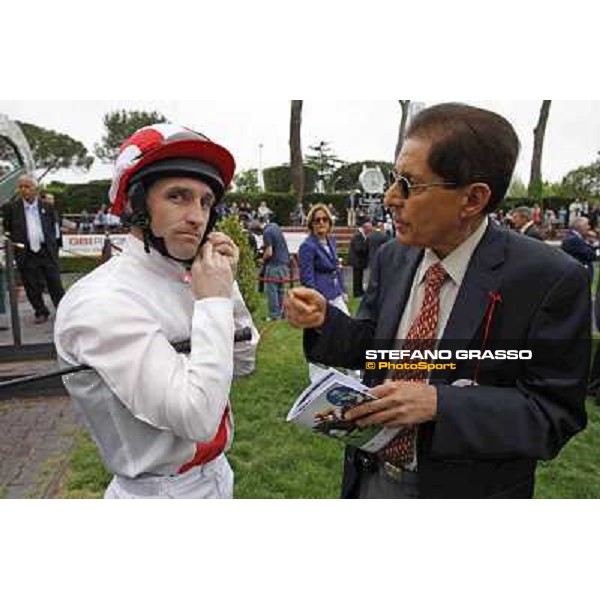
(393, 472)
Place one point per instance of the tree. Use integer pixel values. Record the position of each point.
(517, 188)
(583, 182)
(279, 179)
(404, 104)
(120, 124)
(246, 182)
(325, 161)
(53, 150)
(535, 180)
(296, 162)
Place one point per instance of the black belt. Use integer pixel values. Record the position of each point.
(365, 462)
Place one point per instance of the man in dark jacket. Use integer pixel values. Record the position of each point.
(458, 282)
(358, 257)
(32, 228)
(375, 240)
(523, 222)
(577, 245)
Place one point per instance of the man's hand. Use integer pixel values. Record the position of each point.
(398, 403)
(224, 245)
(305, 308)
(211, 273)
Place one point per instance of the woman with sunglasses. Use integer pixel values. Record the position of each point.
(319, 265)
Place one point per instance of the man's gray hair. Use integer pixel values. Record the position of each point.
(577, 223)
(523, 210)
(30, 177)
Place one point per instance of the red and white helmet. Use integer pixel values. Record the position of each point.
(160, 142)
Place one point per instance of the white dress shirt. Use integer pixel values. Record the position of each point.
(35, 233)
(455, 264)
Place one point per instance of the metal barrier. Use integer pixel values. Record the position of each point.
(12, 292)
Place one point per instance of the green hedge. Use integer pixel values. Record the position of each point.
(75, 197)
(279, 179)
(246, 274)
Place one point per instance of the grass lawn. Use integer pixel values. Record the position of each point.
(273, 459)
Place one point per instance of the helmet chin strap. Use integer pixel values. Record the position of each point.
(142, 220)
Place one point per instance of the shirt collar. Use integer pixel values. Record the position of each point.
(155, 261)
(526, 226)
(457, 261)
(29, 206)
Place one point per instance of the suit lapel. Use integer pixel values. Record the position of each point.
(326, 259)
(482, 277)
(402, 272)
(21, 223)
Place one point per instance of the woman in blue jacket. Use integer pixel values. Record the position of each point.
(319, 266)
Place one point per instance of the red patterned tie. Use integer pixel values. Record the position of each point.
(421, 336)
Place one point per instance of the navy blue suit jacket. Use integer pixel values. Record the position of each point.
(319, 269)
(486, 439)
(580, 250)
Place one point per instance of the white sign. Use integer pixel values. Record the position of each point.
(89, 245)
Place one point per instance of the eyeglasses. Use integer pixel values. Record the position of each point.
(320, 220)
(406, 186)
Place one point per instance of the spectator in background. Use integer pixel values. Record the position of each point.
(351, 207)
(375, 239)
(522, 220)
(575, 209)
(388, 227)
(84, 222)
(562, 215)
(245, 211)
(264, 212)
(276, 267)
(32, 228)
(113, 222)
(577, 245)
(358, 257)
(594, 216)
(49, 201)
(536, 215)
(100, 220)
(298, 217)
(333, 213)
(319, 265)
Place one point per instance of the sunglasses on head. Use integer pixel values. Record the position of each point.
(405, 186)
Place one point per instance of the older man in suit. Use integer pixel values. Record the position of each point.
(577, 245)
(453, 279)
(32, 228)
(523, 222)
